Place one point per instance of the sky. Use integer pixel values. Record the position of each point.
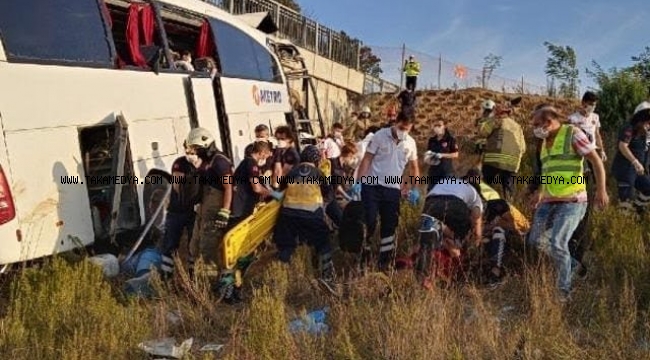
(465, 31)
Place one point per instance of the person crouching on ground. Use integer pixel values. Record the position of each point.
(302, 217)
(560, 205)
(451, 220)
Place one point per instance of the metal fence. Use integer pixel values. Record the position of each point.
(300, 30)
(377, 85)
(439, 73)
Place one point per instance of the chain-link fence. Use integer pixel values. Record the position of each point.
(373, 84)
(300, 30)
(439, 73)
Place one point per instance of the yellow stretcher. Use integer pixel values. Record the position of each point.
(243, 239)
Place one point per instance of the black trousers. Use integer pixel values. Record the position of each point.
(411, 81)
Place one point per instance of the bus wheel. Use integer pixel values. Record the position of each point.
(153, 195)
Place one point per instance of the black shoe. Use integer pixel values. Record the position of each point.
(494, 281)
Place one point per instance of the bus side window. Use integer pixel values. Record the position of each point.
(55, 31)
(137, 44)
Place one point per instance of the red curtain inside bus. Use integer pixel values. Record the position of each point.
(148, 21)
(133, 36)
(204, 44)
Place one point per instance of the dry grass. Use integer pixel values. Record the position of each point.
(67, 311)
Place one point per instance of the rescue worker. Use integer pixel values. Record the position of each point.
(451, 220)
(407, 100)
(215, 174)
(441, 149)
(488, 112)
(628, 165)
(412, 70)
(560, 205)
(501, 221)
(261, 134)
(185, 195)
(388, 153)
(302, 217)
(505, 146)
(249, 185)
(285, 156)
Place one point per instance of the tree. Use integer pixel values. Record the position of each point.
(642, 65)
(490, 63)
(291, 4)
(621, 90)
(369, 62)
(562, 65)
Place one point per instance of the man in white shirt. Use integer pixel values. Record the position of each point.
(388, 153)
(453, 212)
(587, 120)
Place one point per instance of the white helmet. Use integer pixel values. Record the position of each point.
(200, 137)
(365, 109)
(488, 105)
(642, 106)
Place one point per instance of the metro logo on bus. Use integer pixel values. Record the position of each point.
(261, 96)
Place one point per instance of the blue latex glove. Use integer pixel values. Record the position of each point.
(414, 196)
(277, 195)
(356, 189)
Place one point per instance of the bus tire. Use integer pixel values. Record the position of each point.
(153, 194)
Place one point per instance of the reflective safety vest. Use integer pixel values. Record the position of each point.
(488, 193)
(505, 145)
(304, 188)
(562, 165)
(412, 68)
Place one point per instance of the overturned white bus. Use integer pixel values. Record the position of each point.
(91, 88)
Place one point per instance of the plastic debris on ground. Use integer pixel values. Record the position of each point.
(313, 323)
(108, 262)
(166, 347)
(139, 286)
(212, 347)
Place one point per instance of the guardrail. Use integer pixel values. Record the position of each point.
(302, 31)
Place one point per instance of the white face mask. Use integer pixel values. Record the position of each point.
(282, 144)
(401, 135)
(261, 162)
(590, 109)
(193, 159)
(439, 130)
(540, 132)
(261, 139)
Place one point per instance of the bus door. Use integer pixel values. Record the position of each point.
(201, 104)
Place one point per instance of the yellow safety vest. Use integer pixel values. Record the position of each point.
(325, 166)
(304, 188)
(489, 193)
(562, 165)
(412, 68)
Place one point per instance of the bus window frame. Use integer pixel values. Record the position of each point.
(108, 37)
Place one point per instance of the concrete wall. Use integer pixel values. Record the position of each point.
(333, 81)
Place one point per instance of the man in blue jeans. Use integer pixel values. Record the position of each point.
(386, 156)
(561, 204)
